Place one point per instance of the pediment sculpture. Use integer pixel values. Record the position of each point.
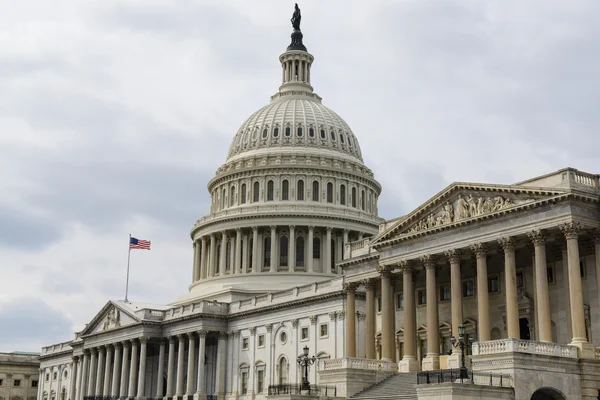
(112, 319)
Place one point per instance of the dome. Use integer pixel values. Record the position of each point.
(295, 122)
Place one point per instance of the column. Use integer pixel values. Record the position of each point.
(91, 385)
(565, 274)
(133, 369)
(170, 367)
(483, 304)
(432, 362)
(409, 361)
(245, 257)
(196, 267)
(84, 373)
(107, 365)
(596, 236)
(327, 258)
(292, 249)
(203, 271)
(220, 375)
(72, 382)
(350, 289)
(238, 250)
(141, 387)
(273, 266)
(388, 320)
(309, 260)
(201, 381)
(161, 369)
(345, 242)
(370, 322)
(510, 278)
(99, 371)
(544, 327)
(455, 290)
(213, 256)
(191, 364)
(255, 258)
(180, 372)
(124, 369)
(223, 253)
(571, 231)
(116, 374)
(339, 249)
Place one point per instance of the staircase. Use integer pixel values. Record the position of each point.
(398, 386)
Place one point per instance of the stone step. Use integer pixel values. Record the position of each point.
(401, 386)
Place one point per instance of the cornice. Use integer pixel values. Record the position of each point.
(358, 260)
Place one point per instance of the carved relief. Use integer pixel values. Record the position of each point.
(113, 319)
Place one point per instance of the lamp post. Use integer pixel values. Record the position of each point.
(304, 361)
(462, 342)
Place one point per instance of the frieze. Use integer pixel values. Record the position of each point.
(113, 319)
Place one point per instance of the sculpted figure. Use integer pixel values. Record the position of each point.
(499, 203)
(440, 220)
(462, 209)
(448, 213)
(296, 17)
(488, 205)
(507, 203)
(430, 221)
(472, 206)
(480, 205)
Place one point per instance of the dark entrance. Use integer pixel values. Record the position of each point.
(524, 329)
(547, 394)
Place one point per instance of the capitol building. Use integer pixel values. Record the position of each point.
(292, 257)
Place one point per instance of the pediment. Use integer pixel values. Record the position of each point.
(462, 203)
(111, 316)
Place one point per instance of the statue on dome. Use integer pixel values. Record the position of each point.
(296, 17)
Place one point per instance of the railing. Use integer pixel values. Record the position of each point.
(314, 390)
(524, 346)
(357, 363)
(597, 352)
(464, 376)
(586, 179)
(212, 397)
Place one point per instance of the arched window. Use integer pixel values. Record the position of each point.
(231, 196)
(299, 251)
(333, 136)
(223, 194)
(315, 191)
(330, 192)
(343, 195)
(285, 190)
(332, 256)
(251, 257)
(276, 132)
(256, 192)
(265, 133)
(300, 190)
(282, 371)
(299, 131)
(270, 191)
(283, 251)
(362, 200)
(267, 252)
(323, 136)
(316, 248)
(495, 334)
(342, 137)
(311, 132)
(288, 131)
(228, 256)
(218, 257)
(63, 394)
(354, 197)
(243, 194)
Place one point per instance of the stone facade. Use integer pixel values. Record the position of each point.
(19, 376)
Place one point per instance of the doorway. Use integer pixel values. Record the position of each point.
(524, 329)
(547, 394)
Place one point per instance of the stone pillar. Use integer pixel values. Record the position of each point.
(141, 387)
(116, 372)
(190, 367)
(201, 381)
(571, 231)
(161, 370)
(171, 367)
(133, 369)
(107, 369)
(409, 362)
(510, 278)
(124, 370)
(596, 236)
(213, 256)
(180, 371)
(483, 303)
(72, 382)
(220, 375)
(388, 320)
(370, 322)
(84, 372)
(91, 385)
(565, 275)
(432, 361)
(345, 241)
(455, 290)
(196, 269)
(350, 289)
(309, 259)
(273, 250)
(292, 249)
(339, 250)
(99, 371)
(203, 267)
(327, 258)
(223, 253)
(544, 327)
(238, 250)
(255, 255)
(245, 257)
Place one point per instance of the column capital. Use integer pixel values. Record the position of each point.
(361, 316)
(254, 229)
(202, 333)
(294, 322)
(329, 229)
(453, 256)
(346, 231)
(311, 228)
(222, 335)
(571, 229)
(237, 333)
(238, 230)
(313, 319)
(333, 315)
(191, 335)
(125, 344)
(596, 236)
(75, 359)
(181, 336)
(143, 339)
(292, 227)
(406, 266)
(273, 227)
(252, 330)
(507, 243)
(350, 287)
(171, 339)
(385, 270)
(537, 236)
(341, 315)
(203, 239)
(369, 284)
(480, 249)
(269, 328)
(428, 261)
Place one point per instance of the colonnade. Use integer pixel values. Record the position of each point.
(119, 370)
(429, 262)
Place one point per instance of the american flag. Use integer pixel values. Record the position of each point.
(139, 244)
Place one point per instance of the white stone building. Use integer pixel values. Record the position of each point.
(293, 254)
(19, 376)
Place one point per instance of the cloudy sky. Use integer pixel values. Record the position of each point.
(115, 114)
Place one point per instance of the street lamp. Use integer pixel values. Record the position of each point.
(462, 342)
(304, 361)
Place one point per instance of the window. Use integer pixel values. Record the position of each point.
(421, 296)
(256, 192)
(285, 190)
(468, 288)
(267, 251)
(261, 341)
(362, 200)
(330, 192)
(17, 382)
(550, 273)
(244, 383)
(332, 136)
(300, 190)
(243, 195)
(322, 133)
(283, 371)
(315, 191)
(283, 337)
(270, 191)
(304, 333)
(260, 379)
(342, 138)
(354, 197)
(228, 256)
(299, 251)
(55, 376)
(47, 377)
(582, 269)
(520, 279)
(288, 131)
(494, 284)
(283, 251)
(445, 292)
(324, 330)
(276, 132)
(245, 342)
(379, 304)
(231, 196)
(223, 203)
(299, 131)
(399, 301)
(34, 383)
(265, 133)
(343, 195)
(316, 248)
(311, 132)
(2, 382)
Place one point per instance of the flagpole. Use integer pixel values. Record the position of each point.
(128, 258)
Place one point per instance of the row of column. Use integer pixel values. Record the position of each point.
(244, 259)
(296, 71)
(429, 263)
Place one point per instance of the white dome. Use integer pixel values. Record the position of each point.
(295, 121)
